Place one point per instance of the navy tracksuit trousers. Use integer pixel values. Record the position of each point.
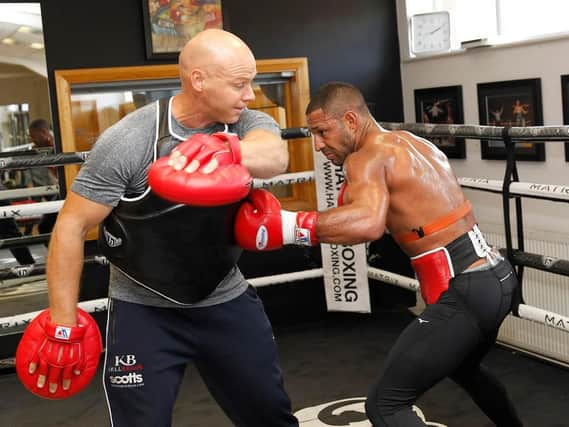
(231, 344)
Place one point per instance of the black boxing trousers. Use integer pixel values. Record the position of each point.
(231, 345)
(449, 339)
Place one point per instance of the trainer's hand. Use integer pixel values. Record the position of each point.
(261, 224)
(55, 362)
(204, 170)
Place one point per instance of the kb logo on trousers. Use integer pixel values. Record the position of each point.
(125, 360)
(344, 413)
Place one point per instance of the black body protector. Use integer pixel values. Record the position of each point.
(177, 251)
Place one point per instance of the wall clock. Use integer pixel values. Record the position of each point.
(430, 32)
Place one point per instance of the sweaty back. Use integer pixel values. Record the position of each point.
(422, 185)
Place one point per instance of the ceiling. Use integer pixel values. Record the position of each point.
(21, 39)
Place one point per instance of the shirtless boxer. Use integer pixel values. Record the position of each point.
(399, 182)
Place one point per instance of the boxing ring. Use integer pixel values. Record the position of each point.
(510, 188)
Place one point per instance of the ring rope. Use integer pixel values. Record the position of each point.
(551, 192)
(547, 263)
(24, 147)
(538, 133)
(527, 312)
(525, 133)
(39, 208)
(542, 191)
(16, 242)
(30, 210)
(28, 270)
(60, 159)
(24, 193)
(286, 277)
(25, 162)
(284, 179)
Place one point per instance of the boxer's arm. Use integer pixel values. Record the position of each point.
(66, 255)
(261, 224)
(362, 217)
(264, 153)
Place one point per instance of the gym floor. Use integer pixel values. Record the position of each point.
(323, 361)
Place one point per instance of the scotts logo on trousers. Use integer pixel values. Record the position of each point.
(132, 379)
(344, 413)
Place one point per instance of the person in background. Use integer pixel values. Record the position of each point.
(43, 142)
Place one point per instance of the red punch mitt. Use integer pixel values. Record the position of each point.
(204, 170)
(56, 362)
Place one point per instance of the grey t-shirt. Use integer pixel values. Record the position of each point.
(118, 165)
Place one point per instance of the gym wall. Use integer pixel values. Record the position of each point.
(355, 42)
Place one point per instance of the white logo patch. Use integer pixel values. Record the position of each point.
(62, 333)
(262, 238)
(132, 379)
(112, 241)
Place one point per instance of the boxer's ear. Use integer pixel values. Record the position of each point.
(351, 119)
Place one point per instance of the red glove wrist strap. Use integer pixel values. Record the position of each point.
(305, 232)
(64, 333)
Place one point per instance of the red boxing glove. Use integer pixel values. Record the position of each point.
(204, 170)
(261, 224)
(56, 362)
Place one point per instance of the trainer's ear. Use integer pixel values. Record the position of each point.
(197, 79)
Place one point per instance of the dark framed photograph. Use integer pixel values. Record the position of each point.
(511, 103)
(169, 24)
(565, 100)
(442, 105)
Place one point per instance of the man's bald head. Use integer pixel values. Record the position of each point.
(212, 49)
(217, 70)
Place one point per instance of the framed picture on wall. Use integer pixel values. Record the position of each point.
(169, 24)
(511, 103)
(442, 105)
(565, 100)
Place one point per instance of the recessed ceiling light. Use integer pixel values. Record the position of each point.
(8, 40)
(24, 29)
(36, 45)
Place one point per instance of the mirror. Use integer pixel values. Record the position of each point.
(24, 98)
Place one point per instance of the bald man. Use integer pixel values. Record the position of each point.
(176, 295)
